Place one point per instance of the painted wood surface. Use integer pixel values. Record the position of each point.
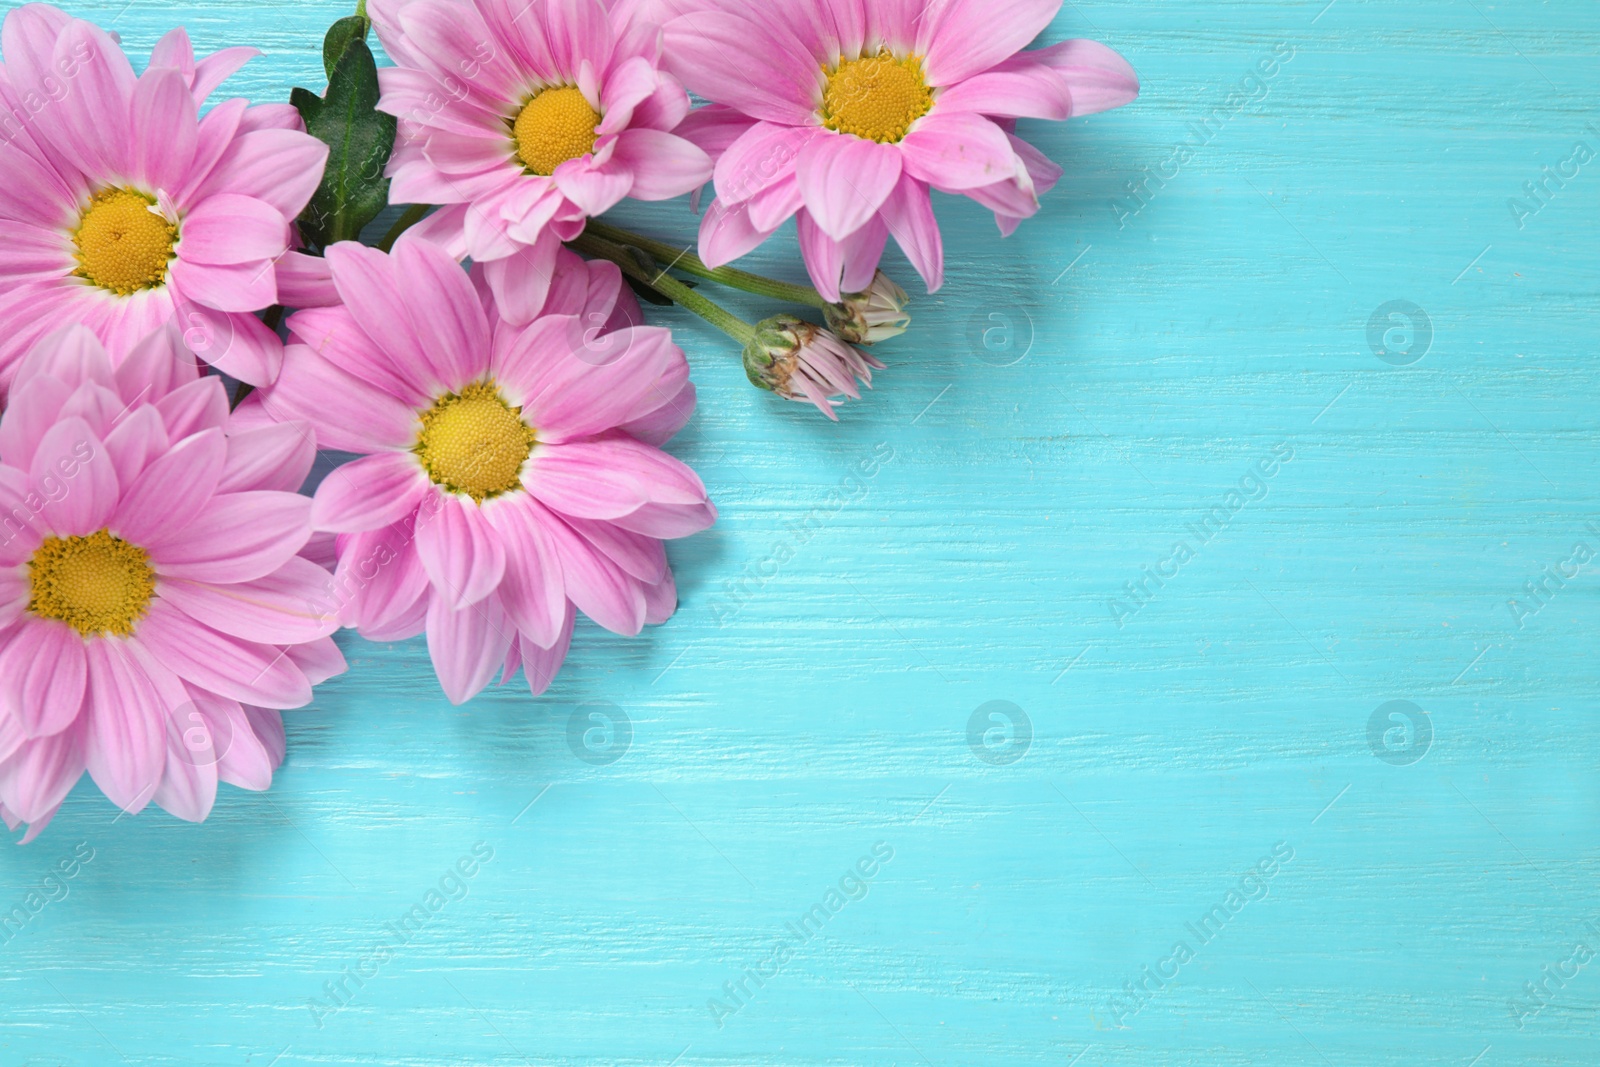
(1077, 402)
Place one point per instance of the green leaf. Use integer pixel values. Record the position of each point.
(340, 34)
(359, 140)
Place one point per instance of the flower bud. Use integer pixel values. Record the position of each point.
(801, 361)
(874, 315)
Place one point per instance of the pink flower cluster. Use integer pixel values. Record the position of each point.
(166, 589)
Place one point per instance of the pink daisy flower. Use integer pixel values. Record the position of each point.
(120, 206)
(511, 472)
(524, 119)
(153, 607)
(846, 113)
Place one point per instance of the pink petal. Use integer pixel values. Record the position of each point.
(33, 253)
(15, 592)
(42, 675)
(86, 126)
(661, 601)
(845, 180)
(964, 37)
(1099, 78)
(909, 215)
(247, 286)
(776, 204)
(171, 490)
(599, 588)
(31, 409)
(155, 366)
(72, 456)
(320, 660)
(200, 405)
(379, 577)
(136, 443)
(714, 127)
(785, 88)
(333, 335)
(29, 39)
(669, 521)
(125, 746)
(580, 391)
(727, 233)
(372, 288)
(640, 557)
(216, 134)
(521, 281)
(467, 645)
(305, 281)
(662, 425)
(349, 414)
(1035, 93)
(958, 151)
(663, 165)
(238, 538)
(282, 167)
(218, 67)
(451, 323)
(532, 592)
(369, 493)
(845, 266)
(277, 457)
(247, 761)
(594, 189)
(630, 84)
(268, 728)
(539, 664)
(165, 129)
(229, 228)
(271, 117)
(228, 666)
(608, 478)
(461, 552)
(291, 606)
(72, 355)
(764, 154)
(188, 786)
(38, 777)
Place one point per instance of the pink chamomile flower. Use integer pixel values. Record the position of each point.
(524, 118)
(154, 610)
(846, 113)
(121, 207)
(511, 472)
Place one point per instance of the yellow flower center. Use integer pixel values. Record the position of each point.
(556, 125)
(473, 442)
(96, 584)
(876, 97)
(124, 245)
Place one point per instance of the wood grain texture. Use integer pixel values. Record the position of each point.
(1158, 356)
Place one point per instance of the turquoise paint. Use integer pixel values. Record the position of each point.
(1146, 370)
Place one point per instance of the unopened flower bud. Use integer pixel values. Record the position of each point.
(877, 314)
(801, 361)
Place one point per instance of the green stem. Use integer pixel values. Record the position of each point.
(667, 286)
(689, 263)
(361, 8)
(413, 215)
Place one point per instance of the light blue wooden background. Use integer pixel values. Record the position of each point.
(1228, 716)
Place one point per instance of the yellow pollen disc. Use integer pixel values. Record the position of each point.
(96, 584)
(473, 442)
(876, 97)
(123, 245)
(556, 125)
